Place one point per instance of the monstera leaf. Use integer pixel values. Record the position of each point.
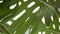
(29, 17)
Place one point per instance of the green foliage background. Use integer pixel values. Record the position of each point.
(19, 26)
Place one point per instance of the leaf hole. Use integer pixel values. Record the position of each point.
(36, 9)
(19, 15)
(28, 30)
(43, 20)
(31, 4)
(9, 22)
(13, 6)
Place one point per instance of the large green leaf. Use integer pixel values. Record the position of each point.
(29, 17)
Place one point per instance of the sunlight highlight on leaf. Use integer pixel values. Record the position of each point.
(31, 4)
(14, 32)
(27, 19)
(47, 0)
(39, 32)
(13, 6)
(54, 26)
(44, 32)
(36, 9)
(59, 27)
(52, 18)
(1, 1)
(9, 22)
(59, 19)
(19, 3)
(19, 15)
(43, 20)
(25, 0)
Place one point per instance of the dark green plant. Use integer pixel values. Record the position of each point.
(19, 17)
